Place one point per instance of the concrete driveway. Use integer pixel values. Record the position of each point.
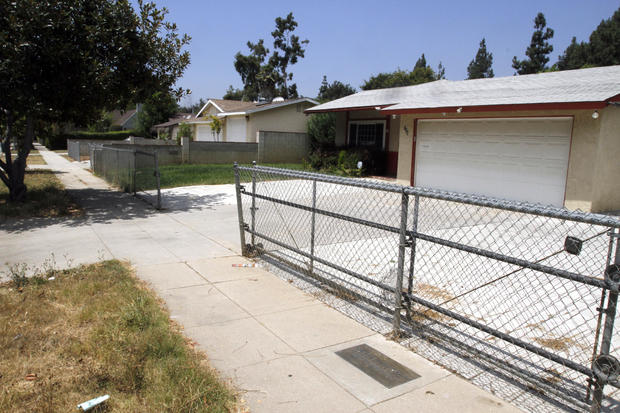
(277, 344)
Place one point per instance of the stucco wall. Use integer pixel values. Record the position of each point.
(285, 119)
(592, 180)
(607, 173)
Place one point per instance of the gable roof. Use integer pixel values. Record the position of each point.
(237, 107)
(122, 118)
(581, 88)
(176, 119)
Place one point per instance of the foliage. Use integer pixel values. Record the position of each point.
(94, 330)
(288, 48)
(344, 161)
(59, 141)
(333, 91)
(481, 66)
(605, 42)
(158, 108)
(216, 126)
(67, 60)
(421, 73)
(538, 50)
(185, 131)
(266, 78)
(603, 49)
(322, 129)
(233, 93)
(193, 109)
(575, 56)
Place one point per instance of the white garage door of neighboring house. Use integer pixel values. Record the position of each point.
(523, 159)
(235, 129)
(203, 133)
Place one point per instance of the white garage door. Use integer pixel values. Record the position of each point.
(203, 133)
(523, 159)
(235, 129)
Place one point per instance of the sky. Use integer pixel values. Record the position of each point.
(352, 40)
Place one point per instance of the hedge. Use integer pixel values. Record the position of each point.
(60, 141)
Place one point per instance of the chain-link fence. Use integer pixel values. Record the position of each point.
(519, 298)
(131, 170)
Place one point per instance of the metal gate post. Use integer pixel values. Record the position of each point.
(240, 210)
(253, 208)
(402, 244)
(313, 224)
(416, 209)
(606, 367)
(157, 177)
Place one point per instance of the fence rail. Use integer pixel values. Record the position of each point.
(528, 289)
(131, 170)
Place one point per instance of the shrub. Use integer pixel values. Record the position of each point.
(59, 141)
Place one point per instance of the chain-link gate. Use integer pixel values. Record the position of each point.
(498, 291)
(131, 170)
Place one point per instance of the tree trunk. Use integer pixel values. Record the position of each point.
(15, 170)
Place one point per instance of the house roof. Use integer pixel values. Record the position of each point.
(236, 107)
(583, 88)
(176, 119)
(122, 117)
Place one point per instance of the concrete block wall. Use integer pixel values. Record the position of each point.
(166, 154)
(221, 152)
(79, 147)
(276, 147)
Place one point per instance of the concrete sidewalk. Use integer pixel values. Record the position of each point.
(276, 343)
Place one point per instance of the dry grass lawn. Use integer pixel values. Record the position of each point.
(35, 158)
(46, 197)
(97, 330)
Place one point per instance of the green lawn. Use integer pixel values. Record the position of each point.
(187, 174)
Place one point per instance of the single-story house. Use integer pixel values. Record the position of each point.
(551, 138)
(127, 119)
(171, 128)
(241, 121)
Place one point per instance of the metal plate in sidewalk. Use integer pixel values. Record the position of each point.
(377, 365)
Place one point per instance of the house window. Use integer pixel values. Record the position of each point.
(367, 134)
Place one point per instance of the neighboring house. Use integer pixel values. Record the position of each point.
(172, 126)
(551, 138)
(242, 121)
(126, 120)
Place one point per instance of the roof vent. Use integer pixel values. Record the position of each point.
(278, 99)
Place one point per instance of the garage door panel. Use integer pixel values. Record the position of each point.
(522, 159)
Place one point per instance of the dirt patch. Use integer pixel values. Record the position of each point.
(428, 290)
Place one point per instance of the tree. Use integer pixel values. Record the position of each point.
(287, 50)
(538, 50)
(185, 131)
(421, 73)
(158, 108)
(335, 90)
(603, 49)
(575, 56)
(605, 42)
(67, 60)
(267, 78)
(216, 125)
(193, 109)
(233, 93)
(481, 66)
